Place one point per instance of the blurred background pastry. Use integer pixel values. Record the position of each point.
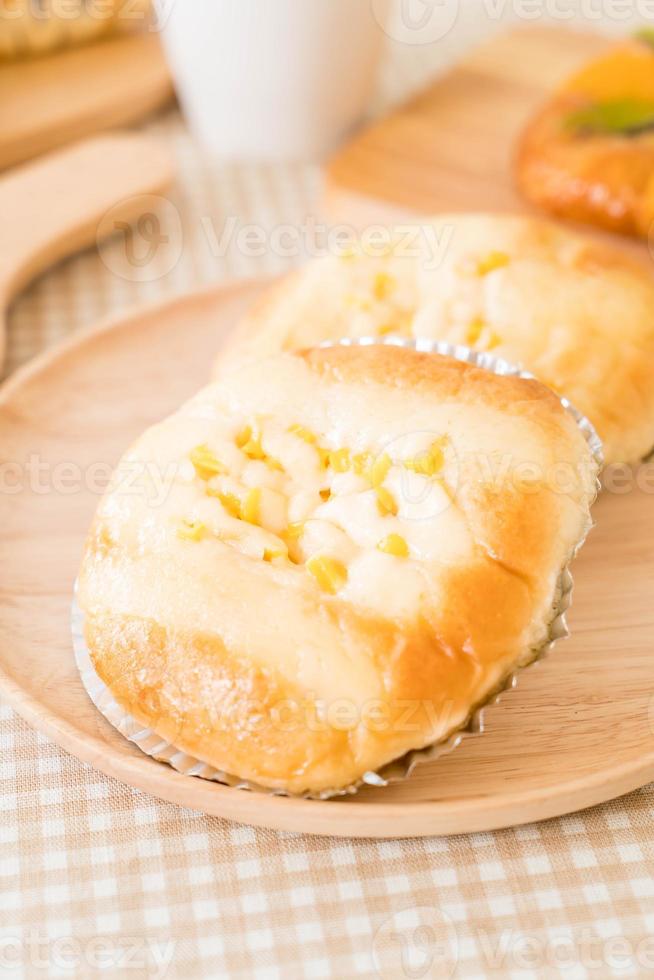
(588, 155)
(27, 28)
(578, 314)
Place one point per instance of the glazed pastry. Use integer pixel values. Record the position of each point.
(589, 153)
(577, 314)
(330, 569)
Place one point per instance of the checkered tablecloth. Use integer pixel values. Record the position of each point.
(97, 879)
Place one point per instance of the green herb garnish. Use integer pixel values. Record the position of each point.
(646, 35)
(619, 116)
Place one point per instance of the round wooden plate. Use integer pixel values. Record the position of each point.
(578, 730)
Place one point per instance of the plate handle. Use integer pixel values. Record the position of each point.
(53, 206)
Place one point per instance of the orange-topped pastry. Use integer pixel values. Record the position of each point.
(589, 153)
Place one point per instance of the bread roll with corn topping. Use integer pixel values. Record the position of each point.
(343, 553)
(577, 314)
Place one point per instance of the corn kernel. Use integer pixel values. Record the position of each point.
(329, 573)
(394, 544)
(428, 463)
(244, 436)
(323, 455)
(303, 433)
(251, 507)
(230, 501)
(191, 530)
(253, 448)
(493, 341)
(492, 261)
(379, 469)
(383, 285)
(295, 530)
(206, 463)
(386, 503)
(325, 494)
(250, 443)
(339, 460)
(269, 554)
(475, 329)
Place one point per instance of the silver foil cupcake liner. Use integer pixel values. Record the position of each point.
(152, 744)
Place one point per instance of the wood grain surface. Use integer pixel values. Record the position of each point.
(451, 147)
(578, 730)
(54, 99)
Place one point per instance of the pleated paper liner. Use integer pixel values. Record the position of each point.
(152, 744)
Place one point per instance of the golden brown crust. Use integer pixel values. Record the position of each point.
(218, 707)
(441, 377)
(251, 666)
(254, 723)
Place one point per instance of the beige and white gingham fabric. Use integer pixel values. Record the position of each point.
(97, 879)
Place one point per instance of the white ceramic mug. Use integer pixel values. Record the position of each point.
(275, 79)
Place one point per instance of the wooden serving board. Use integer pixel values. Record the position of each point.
(578, 730)
(451, 147)
(48, 101)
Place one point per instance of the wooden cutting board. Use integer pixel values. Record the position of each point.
(48, 101)
(451, 147)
